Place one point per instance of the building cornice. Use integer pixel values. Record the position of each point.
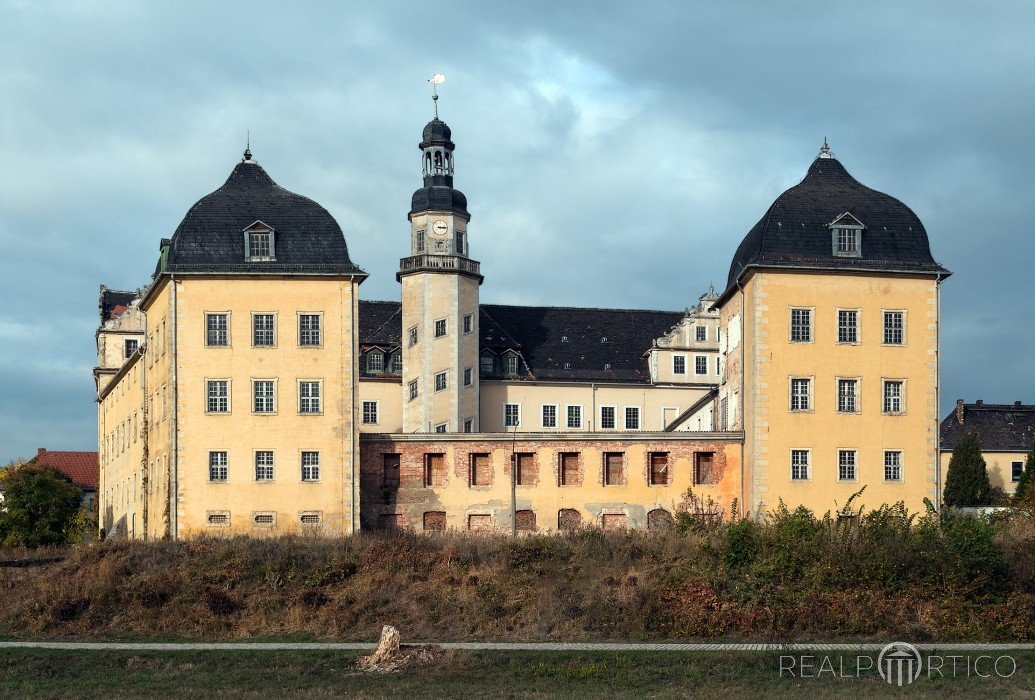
(627, 437)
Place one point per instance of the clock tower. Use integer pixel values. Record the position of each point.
(439, 300)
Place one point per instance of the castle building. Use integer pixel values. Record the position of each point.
(248, 389)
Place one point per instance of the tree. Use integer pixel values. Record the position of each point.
(1024, 484)
(966, 481)
(39, 508)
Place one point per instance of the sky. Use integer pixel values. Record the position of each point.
(613, 153)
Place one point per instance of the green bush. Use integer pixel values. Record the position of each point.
(40, 508)
(966, 480)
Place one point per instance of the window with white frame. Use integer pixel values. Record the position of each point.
(607, 417)
(413, 389)
(264, 399)
(632, 417)
(217, 330)
(510, 364)
(700, 364)
(799, 465)
(468, 376)
(846, 465)
(468, 323)
(263, 331)
(441, 427)
(893, 396)
(217, 466)
(487, 364)
(440, 328)
(130, 347)
(260, 244)
(574, 416)
(309, 331)
(801, 394)
(847, 326)
(440, 381)
(1016, 470)
(511, 415)
(310, 466)
(309, 391)
(702, 333)
(894, 327)
(375, 362)
(412, 336)
(847, 241)
(549, 416)
(370, 412)
(264, 465)
(801, 325)
(847, 395)
(218, 396)
(892, 465)
(678, 364)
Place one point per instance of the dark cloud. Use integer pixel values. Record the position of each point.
(641, 140)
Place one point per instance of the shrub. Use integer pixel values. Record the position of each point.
(1024, 484)
(966, 480)
(40, 507)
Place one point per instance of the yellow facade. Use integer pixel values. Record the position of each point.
(1001, 467)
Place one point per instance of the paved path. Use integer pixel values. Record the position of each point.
(493, 646)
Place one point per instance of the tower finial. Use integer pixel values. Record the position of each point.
(248, 146)
(824, 152)
(435, 81)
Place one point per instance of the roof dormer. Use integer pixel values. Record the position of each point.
(259, 244)
(846, 236)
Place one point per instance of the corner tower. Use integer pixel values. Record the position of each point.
(439, 300)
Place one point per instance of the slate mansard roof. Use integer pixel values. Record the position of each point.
(1000, 427)
(210, 238)
(795, 230)
(549, 337)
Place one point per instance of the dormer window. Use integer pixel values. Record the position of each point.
(258, 243)
(375, 362)
(846, 233)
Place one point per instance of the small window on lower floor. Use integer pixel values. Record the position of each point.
(524, 520)
(435, 521)
(1016, 469)
(892, 465)
(614, 521)
(704, 468)
(659, 469)
(478, 522)
(310, 517)
(264, 519)
(218, 518)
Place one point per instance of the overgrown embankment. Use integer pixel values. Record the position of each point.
(793, 578)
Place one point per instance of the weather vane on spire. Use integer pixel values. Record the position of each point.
(248, 145)
(824, 152)
(435, 81)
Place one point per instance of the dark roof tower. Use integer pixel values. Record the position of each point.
(438, 193)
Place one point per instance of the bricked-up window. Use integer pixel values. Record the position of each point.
(481, 470)
(614, 521)
(892, 396)
(218, 396)
(217, 330)
(702, 333)
(574, 416)
(479, 522)
(847, 326)
(434, 470)
(549, 416)
(892, 465)
(264, 396)
(568, 469)
(659, 475)
(262, 331)
(264, 465)
(391, 521)
(660, 519)
(632, 417)
(847, 393)
(568, 519)
(435, 521)
(526, 472)
(799, 465)
(614, 468)
(370, 412)
(678, 364)
(309, 332)
(801, 325)
(309, 397)
(440, 328)
(801, 393)
(894, 327)
(217, 466)
(607, 417)
(704, 468)
(390, 476)
(846, 465)
(524, 520)
(310, 466)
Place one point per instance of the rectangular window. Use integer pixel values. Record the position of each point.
(413, 389)
(264, 396)
(310, 466)
(724, 414)
(440, 328)
(370, 412)
(846, 465)
(549, 416)
(614, 472)
(847, 395)
(847, 326)
(218, 396)
(375, 362)
(440, 381)
(262, 331)
(468, 323)
(892, 396)
(801, 325)
(441, 427)
(469, 425)
(468, 376)
(217, 330)
(459, 238)
(659, 468)
(131, 347)
(434, 470)
(412, 335)
(526, 474)
(607, 417)
(259, 245)
(395, 363)
(1016, 469)
(718, 365)
(420, 240)
(847, 241)
(511, 415)
(702, 333)
(892, 465)
(632, 417)
(481, 470)
(678, 364)
(801, 394)
(264, 465)
(487, 364)
(704, 468)
(217, 466)
(568, 469)
(510, 363)
(700, 365)
(894, 327)
(309, 334)
(309, 396)
(799, 465)
(574, 416)
(435, 521)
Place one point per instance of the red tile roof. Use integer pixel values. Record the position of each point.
(81, 467)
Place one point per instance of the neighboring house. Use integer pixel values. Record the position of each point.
(80, 467)
(1005, 432)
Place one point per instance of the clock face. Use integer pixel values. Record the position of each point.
(440, 227)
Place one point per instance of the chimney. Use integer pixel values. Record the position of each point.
(979, 402)
(40, 450)
(1017, 404)
(959, 411)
